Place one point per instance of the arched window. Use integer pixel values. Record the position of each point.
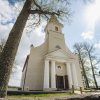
(57, 46)
(56, 28)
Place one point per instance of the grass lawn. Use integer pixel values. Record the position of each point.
(40, 95)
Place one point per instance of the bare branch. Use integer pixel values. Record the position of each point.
(34, 1)
(43, 12)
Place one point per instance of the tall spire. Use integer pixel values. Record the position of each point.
(53, 19)
(54, 25)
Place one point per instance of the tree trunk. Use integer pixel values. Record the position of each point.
(85, 77)
(84, 73)
(9, 52)
(95, 81)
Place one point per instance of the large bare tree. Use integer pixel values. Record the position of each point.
(89, 62)
(90, 52)
(78, 48)
(42, 8)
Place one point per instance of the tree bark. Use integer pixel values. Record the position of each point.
(9, 52)
(85, 76)
(95, 81)
(84, 72)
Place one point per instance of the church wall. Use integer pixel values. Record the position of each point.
(51, 26)
(34, 79)
(77, 79)
(23, 77)
(56, 39)
(79, 75)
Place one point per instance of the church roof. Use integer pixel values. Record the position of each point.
(61, 53)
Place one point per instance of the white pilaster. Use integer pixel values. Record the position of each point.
(46, 75)
(53, 75)
(74, 75)
(69, 73)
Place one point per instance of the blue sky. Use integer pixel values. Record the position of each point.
(85, 26)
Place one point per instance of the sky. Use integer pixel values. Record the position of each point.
(84, 26)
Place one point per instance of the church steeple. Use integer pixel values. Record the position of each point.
(53, 25)
(54, 36)
(53, 19)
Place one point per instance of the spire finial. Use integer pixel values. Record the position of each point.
(53, 19)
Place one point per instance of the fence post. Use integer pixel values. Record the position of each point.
(81, 90)
(72, 88)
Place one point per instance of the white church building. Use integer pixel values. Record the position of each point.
(51, 66)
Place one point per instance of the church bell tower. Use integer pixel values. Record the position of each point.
(54, 35)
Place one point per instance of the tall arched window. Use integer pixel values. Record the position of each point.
(56, 28)
(57, 46)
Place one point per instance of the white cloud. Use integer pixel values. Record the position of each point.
(15, 77)
(97, 45)
(92, 14)
(8, 12)
(37, 35)
(4, 30)
(88, 35)
(8, 15)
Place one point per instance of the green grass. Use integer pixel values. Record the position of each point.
(39, 95)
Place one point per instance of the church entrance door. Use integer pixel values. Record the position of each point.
(66, 82)
(62, 82)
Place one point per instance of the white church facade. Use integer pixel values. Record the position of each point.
(51, 66)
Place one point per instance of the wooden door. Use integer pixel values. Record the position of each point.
(60, 82)
(66, 82)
